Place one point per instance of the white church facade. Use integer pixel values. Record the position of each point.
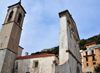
(41, 63)
(11, 60)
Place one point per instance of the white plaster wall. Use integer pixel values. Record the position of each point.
(69, 67)
(67, 41)
(46, 65)
(68, 46)
(63, 41)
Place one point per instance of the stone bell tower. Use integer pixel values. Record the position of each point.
(10, 37)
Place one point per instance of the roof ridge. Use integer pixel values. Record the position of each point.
(35, 56)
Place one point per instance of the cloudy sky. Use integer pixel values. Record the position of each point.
(41, 23)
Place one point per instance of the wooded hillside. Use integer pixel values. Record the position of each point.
(55, 50)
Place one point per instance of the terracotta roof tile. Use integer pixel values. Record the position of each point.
(34, 56)
(89, 44)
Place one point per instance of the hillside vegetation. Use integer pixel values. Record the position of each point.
(55, 50)
(95, 39)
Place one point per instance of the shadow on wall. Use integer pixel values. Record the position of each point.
(62, 68)
(66, 68)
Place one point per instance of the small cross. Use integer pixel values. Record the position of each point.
(20, 1)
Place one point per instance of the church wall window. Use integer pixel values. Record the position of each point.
(19, 18)
(35, 64)
(10, 16)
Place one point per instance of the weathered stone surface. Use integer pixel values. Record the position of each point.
(69, 55)
(10, 37)
(7, 59)
(11, 30)
(2, 57)
(19, 52)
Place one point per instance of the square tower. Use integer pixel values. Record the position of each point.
(10, 37)
(69, 55)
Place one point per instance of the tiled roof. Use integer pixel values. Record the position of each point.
(89, 44)
(34, 56)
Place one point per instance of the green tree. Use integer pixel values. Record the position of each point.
(55, 50)
(95, 39)
(97, 68)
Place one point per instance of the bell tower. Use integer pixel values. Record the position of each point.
(10, 37)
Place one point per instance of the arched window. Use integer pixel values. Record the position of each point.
(10, 16)
(19, 18)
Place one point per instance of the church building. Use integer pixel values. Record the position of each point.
(11, 60)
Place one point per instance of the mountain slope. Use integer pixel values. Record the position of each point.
(55, 50)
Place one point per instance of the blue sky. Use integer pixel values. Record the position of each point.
(41, 23)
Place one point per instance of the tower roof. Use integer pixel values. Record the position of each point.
(19, 3)
(89, 44)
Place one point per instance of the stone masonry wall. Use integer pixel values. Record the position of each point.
(7, 59)
(71, 66)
